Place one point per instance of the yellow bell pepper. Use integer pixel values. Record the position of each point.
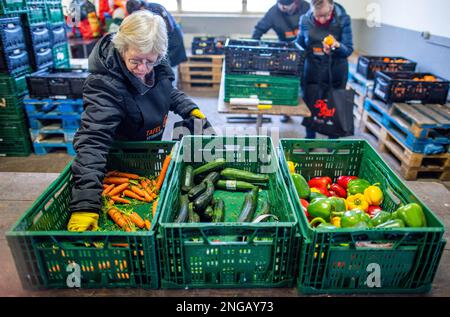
(291, 167)
(374, 195)
(357, 201)
(315, 190)
(336, 221)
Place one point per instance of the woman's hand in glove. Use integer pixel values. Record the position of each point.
(198, 114)
(83, 221)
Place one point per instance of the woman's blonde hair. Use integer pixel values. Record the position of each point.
(143, 31)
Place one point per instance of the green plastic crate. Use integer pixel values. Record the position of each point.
(277, 90)
(337, 261)
(13, 85)
(12, 6)
(42, 248)
(15, 146)
(36, 13)
(54, 13)
(230, 254)
(61, 55)
(13, 128)
(11, 107)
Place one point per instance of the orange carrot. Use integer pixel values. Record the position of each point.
(108, 189)
(131, 194)
(137, 220)
(116, 191)
(118, 218)
(155, 205)
(162, 175)
(127, 175)
(120, 200)
(115, 180)
(138, 191)
(148, 224)
(105, 186)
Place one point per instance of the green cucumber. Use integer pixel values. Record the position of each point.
(202, 201)
(215, 165)
(240, 175)
(213, 177)
(188, 179)
(193, 216)
(184, 212)
(249, 206)
(219, 211)
(234, 185)
(196, 191)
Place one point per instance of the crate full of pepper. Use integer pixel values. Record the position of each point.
(355, 213)
(233, 207)
(351, 202)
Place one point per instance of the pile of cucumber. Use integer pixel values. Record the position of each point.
(197, 203)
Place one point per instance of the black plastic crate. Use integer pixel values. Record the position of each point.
(404, 86)
(14, 61)
(57, 82)
(208, 45)
(11, 33)
(38, 34)
(263, 57)
(369, 65)
(57, 33)
(42, 57)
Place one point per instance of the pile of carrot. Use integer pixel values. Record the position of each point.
(119, 187)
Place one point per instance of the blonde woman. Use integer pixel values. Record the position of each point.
(127, 96)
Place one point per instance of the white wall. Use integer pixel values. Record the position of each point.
(417, 15)
(355, 8)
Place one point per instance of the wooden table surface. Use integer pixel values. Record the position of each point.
(19, 190)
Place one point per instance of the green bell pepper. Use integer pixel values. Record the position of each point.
(354, 217)
(337, 204)
(323, 224)
(314, 195)
(301, 185)
(320, 208)
(412, 214)
(394, 223)
(380, 218)
(357, 186)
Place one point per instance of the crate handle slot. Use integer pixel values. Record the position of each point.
(243, 242)
(373, 245)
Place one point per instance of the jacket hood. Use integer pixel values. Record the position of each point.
(106, 60)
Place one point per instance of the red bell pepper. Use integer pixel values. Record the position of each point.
(343, 180)
(321, 183)
(339, 190)
(332, 193)
(373, 210)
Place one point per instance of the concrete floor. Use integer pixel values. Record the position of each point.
(17, 193)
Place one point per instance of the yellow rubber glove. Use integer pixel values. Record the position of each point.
(198, 114)
(82, 221)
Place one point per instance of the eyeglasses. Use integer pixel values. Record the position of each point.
(148, 64)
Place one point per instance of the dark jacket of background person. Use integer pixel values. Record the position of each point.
(284, 24)
(176, 50)
(118, 106)
(311, 36)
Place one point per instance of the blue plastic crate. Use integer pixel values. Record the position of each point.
(39, 34)
(57, 33)
(11, 33)
(14, 62)
(42, 57)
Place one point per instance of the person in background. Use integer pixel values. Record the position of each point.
(325, 19)
(177, 51)
(127, 96)
(117, 17)
(283, 18)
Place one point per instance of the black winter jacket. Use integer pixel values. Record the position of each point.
(118, 106)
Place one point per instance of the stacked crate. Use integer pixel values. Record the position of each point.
(54, 108)
(208, 45)
(56, 27)
(14, 65)
(269, 71)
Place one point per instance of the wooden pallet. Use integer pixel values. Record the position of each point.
(413, 165)
(370, 125)
(200, 76)
(422, 120)
(205, 60)
(204, 87)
